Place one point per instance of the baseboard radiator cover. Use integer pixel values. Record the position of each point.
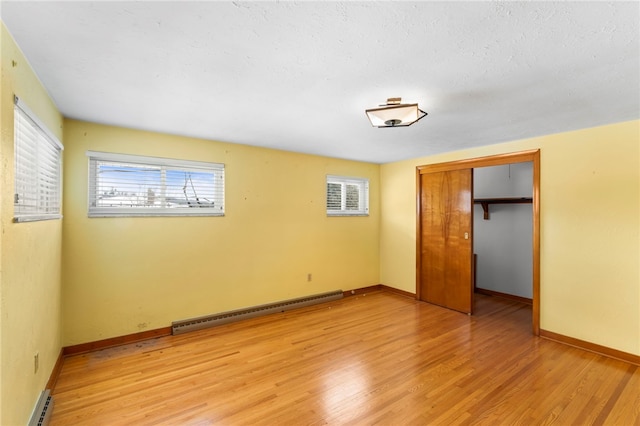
(184, 326)
(42, 414)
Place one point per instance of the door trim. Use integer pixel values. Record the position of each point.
(493, 160)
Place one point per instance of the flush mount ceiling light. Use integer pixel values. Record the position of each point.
(395, 114)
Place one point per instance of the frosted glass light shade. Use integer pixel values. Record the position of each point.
(395, 115)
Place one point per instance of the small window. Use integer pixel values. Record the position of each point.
(38, 168)
(347, 196)
(129, 185)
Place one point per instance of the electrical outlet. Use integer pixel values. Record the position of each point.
(36, 362)
(309, 277)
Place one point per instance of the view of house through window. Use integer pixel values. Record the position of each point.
(347, 196)
(124, 185)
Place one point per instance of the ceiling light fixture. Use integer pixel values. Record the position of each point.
(395, 114)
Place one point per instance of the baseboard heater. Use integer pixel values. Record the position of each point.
(44, 408)
(184, 326)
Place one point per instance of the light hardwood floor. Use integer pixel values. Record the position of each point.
(379, 358)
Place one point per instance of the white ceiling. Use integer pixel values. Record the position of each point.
(298, 75)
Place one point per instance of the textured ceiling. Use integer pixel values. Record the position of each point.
(298, 75)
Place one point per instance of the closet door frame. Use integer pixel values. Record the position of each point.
(493, 160)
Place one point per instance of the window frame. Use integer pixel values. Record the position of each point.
(218, 170)
(363, 198)
(38, 177)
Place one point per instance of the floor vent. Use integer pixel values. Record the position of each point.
(184, 326)
(43, 410)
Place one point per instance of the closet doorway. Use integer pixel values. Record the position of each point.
(444, 239)
(502, 231)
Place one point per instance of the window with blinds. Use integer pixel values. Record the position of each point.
(347, 196)
(130, 185)
(37, 167)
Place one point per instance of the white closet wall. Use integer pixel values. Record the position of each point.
(503, 243)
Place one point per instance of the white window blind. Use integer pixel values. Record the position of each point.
(130, 185)
(347, 196)
(38, 168)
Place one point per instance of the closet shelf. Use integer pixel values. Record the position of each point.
(486, 202)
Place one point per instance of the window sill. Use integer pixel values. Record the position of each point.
(36, 218)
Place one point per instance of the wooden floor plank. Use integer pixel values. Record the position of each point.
(378, 358)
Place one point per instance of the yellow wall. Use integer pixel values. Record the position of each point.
(30, 256)
(126, 275)
(590, 230)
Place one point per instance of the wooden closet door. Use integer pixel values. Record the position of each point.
(446, 220)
